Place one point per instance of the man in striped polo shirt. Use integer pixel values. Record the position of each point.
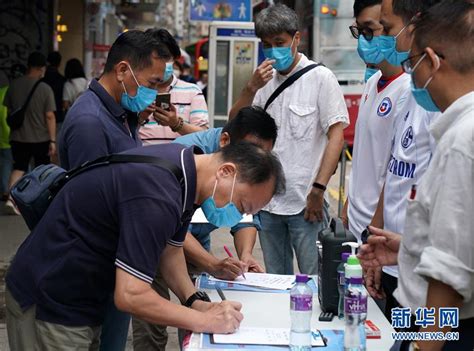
(188, 110)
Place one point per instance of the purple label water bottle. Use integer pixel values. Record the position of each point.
(355, 310)
(301, 310)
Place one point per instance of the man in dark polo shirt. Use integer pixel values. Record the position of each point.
(104, 119)
(94, 240)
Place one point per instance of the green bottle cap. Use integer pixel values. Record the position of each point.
(353, 260)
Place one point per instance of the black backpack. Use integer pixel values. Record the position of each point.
(35, 191)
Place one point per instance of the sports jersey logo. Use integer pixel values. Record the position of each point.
(407, 137)
(385, 107)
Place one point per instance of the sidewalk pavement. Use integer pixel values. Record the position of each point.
(14, 231)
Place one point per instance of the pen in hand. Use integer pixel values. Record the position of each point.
(221, 293)
(226, 249)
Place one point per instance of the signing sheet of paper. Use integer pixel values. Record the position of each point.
(262, 280)
(264, 336)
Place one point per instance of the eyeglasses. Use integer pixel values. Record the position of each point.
(407, 65)
(367, 32)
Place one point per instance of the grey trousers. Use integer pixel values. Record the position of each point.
(26, 333)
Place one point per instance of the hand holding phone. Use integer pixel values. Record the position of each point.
(163, 101)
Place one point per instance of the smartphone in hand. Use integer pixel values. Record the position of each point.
(164, 101)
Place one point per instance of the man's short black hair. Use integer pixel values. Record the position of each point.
(251, 121)
(36, 60)
(165, 37)
(448, 28)
(360, 5)
(54, 58)
(137, 48)
(255, 165)
(409, 9)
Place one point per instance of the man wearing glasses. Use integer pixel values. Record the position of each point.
(367, 26)
(384, 95)
(411, 147)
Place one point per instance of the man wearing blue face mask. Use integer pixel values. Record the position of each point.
(187, 114)
(411, 149)
(311, 115)
(94, 241)
(253, 125)
(382, 98)
(104, 120)
(106, 114)
(367, 31)
(188, 110)
(435, 254)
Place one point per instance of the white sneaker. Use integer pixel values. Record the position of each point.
(11, 209)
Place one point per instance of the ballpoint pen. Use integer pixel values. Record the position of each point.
(230, 255)
(221, 293)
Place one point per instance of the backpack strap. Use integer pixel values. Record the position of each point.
(289, 81)
(30, 95)
(124, 158)
(113, 159)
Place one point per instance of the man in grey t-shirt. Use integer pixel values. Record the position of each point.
(36, 138)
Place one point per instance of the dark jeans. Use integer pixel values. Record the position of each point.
(114, 329)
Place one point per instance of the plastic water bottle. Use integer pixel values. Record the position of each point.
(301, 309)
(355, 305)
(341, 283)
(355, 302)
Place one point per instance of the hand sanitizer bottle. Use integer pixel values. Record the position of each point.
(355, 304)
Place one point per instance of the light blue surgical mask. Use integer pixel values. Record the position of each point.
(388, 47)
(369, 50)
(226, 216)
(422, 95)
(168, 71)
(369, 72)
(142, 99)
(283, 56)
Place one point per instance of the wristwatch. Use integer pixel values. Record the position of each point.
(198, 295)
(319, 186)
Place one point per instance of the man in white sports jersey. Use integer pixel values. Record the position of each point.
(411, 150)
(384, 95)
(435, 254)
